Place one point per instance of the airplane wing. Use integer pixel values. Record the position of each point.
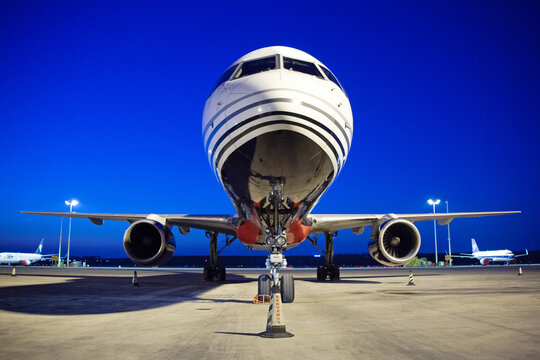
(526, 253)
(218, 223)
(464, 256)
(319, 223)
(330, 223)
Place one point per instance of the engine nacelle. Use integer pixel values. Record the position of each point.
(484, 261)
(395, 242)
(149, 243)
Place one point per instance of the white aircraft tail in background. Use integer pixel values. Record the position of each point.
(485, 257)
(475, 248)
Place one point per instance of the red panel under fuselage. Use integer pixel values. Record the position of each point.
(250, 233)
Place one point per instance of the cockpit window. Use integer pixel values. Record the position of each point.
(332, 78)
(301, 66)
(226, 75)
(256, 66)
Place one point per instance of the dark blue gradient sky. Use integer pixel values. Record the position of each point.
(102, 101)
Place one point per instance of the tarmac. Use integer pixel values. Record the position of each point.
(450, 313)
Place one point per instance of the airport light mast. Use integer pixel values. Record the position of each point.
(60, 243)
(449, 246)
(435, 202)
(70, 203)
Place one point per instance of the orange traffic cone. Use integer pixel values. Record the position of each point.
(275, 325)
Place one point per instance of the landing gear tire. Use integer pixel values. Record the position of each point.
(207, 273)
(328, 273)
(335, 275)
(321, 273)
(265, 284)
(287, 288)
(221, 273)
(211, 273)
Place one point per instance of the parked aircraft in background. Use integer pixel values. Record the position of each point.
(485, 257)
(12, 258)
(277, 129)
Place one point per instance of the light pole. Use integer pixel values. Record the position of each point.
(435, 202)
(449, 246)
(60, 243)
(70, 203)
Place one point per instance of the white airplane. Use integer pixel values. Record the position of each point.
(277, 129)
(487, 256)
(11, 258)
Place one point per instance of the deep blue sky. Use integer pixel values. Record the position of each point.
(102, 102)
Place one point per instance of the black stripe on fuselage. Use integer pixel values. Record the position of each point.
(275, 122)
(267, 101)
(273, 113)
(217, 114)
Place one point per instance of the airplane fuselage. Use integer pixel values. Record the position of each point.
(19, 258)
(277, 131)
(505, 256)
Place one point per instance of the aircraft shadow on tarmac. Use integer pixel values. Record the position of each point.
(80, 294)
(340, 281)
(348, 279)
(87, 295)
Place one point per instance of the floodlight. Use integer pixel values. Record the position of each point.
(433, 203)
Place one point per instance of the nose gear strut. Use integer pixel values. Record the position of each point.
(276, 238)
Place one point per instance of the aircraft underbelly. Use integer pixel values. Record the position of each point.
(287, 159)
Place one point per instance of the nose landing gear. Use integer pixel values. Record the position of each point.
(274, 281)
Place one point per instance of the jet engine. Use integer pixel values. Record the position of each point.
(149, 243)
(395, 242)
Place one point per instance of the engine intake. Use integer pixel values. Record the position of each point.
(395, 242)
(149, 243)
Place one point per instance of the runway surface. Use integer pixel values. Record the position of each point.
(451, 313)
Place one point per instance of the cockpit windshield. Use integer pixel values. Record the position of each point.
(332, 78)
(256, 66)
(226, 75)
(270, 63)
(301, 66)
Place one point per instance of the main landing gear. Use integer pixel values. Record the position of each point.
(328, 271)
(214, 271)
